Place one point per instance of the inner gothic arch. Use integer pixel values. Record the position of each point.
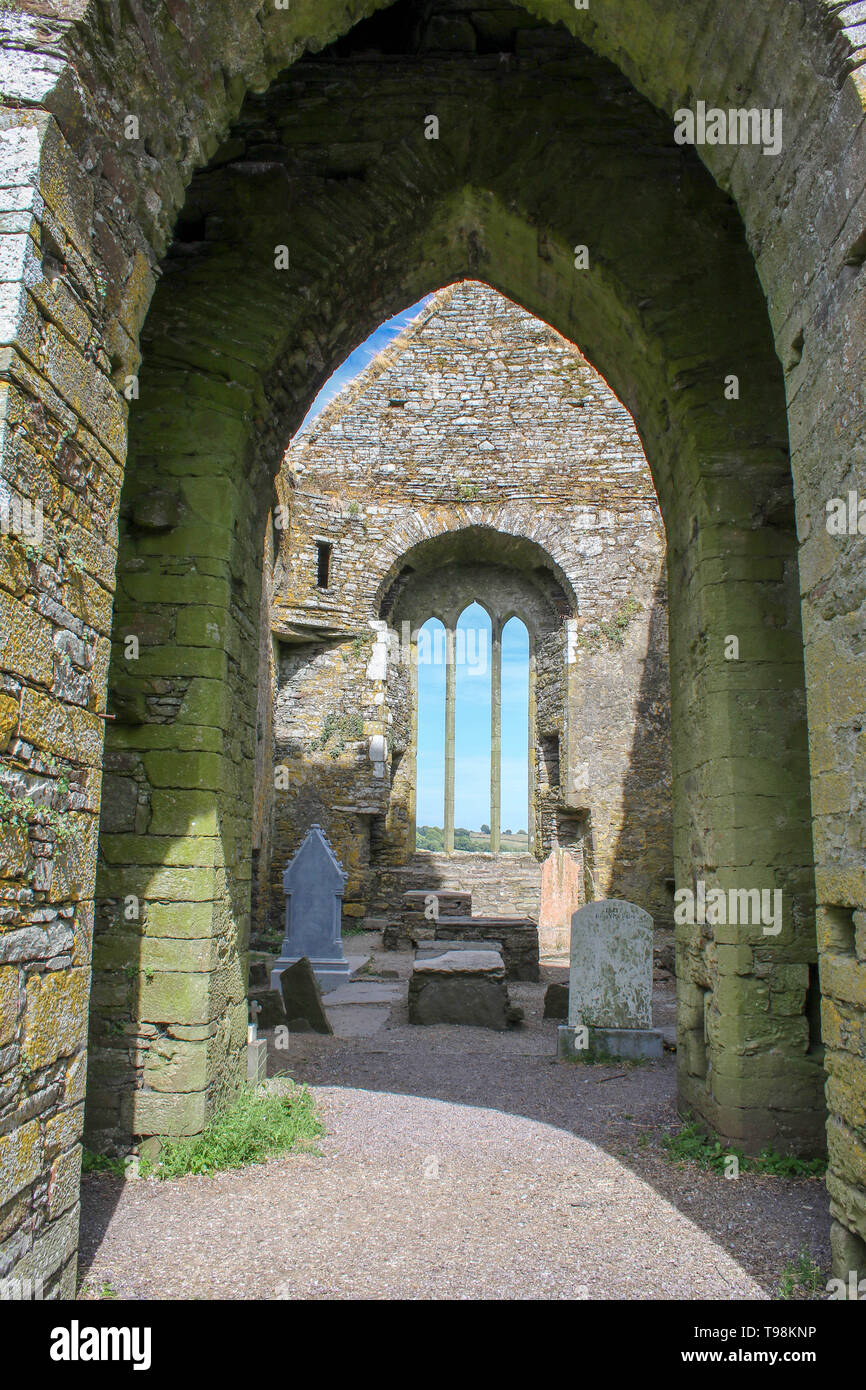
(727, 485)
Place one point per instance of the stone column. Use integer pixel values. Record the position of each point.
(450, 710)
(495, 734)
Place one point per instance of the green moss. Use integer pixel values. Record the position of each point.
(19, 813)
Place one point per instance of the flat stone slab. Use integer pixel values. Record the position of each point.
(352, 1021)
(451, 902)
(329, 973)
(486, 963)
(624, 1044)
(465, 987)
(518, 936)
(358, 992)
(437, 948)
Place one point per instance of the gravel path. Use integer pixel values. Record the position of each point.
(459, 1163)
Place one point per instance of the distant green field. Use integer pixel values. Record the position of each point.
(431, 837)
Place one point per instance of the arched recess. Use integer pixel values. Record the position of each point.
(504, 574)
(108, 206)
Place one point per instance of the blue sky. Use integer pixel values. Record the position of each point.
(472, 726)
(358, 360)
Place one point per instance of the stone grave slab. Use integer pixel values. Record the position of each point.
(427, 950)
(358, 992)
(352, 1021)
(556, 1001)
(462, 987)
(450, 903)
(518, 935)
(266, 1008)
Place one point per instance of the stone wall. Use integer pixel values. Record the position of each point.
(480, 457)
(502, 885)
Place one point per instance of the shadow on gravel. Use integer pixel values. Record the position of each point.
(624, 1110)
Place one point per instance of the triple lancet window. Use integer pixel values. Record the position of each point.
(472, 749)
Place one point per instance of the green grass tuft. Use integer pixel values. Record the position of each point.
(257, 1125)
(692, 1145)
(802, 1277)
(102, 1163)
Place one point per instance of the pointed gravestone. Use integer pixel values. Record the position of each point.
(610, 983)
(314, 884)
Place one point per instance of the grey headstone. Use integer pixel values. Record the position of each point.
(302, 999)
(610, 979)
(314, 884)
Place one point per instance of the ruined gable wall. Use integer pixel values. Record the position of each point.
(481, 416)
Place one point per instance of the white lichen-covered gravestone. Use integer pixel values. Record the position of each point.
(610, 983)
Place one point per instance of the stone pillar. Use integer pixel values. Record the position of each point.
(450, 711)
(495, 734)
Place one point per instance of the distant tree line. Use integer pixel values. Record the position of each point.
(432, 838)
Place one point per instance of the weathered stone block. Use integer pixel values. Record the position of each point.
(556, 1001)
(64, 1181)
(175, 1113)
(8, 1004)
(55, 1015)
(464, 987)
(20, 1160)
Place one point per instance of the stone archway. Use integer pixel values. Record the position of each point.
(217, 394)
(730, 520)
